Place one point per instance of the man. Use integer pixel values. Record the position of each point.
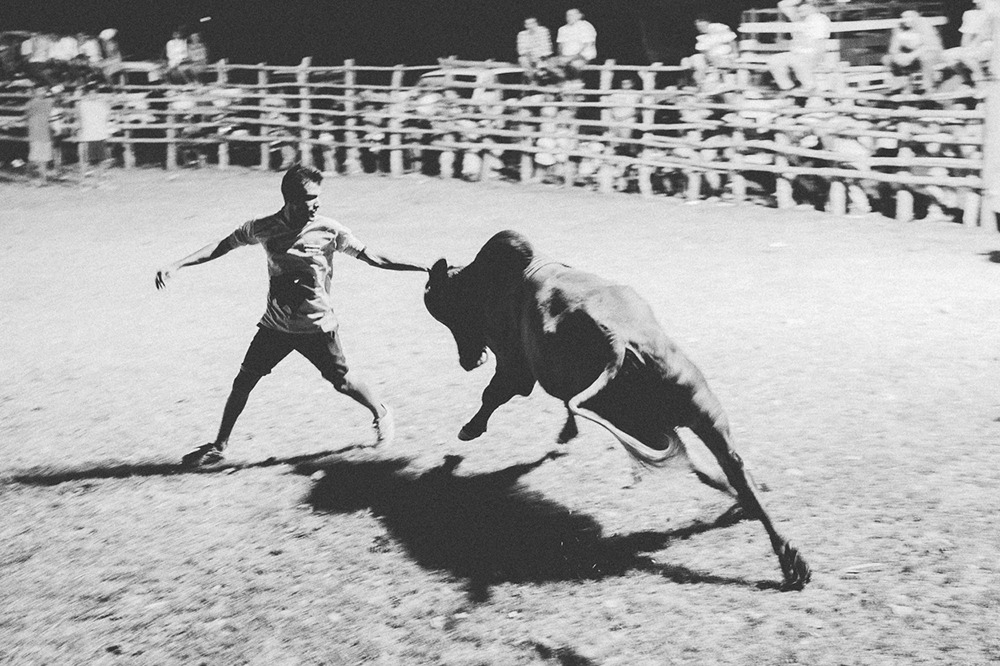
(974, 53)
(811, 31)
(534, 45)
(577, 41)
(300, 246)
(715, 46)
(176, 52)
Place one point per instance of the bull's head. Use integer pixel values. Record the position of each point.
(450, 299)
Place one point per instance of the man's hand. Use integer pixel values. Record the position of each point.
(163, 275)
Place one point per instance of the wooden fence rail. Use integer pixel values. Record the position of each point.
(840, 150)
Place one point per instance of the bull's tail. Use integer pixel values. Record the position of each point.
(642, 453)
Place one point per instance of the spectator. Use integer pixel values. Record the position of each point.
(715, 46)
(39, 116)
(177, 56)
(534, 46)
(111, 55)
(914, 46)
(36, 54)
(973, 55)
(810, 31)
(197, 56)
(577, 42)
(624, 105)
(94, 114)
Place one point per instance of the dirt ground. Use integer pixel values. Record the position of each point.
(858, 358)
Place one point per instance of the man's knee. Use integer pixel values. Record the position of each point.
(340, 380)
(245, 381)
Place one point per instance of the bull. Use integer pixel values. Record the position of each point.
(598, 347)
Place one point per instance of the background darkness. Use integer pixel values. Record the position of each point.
(386, 31)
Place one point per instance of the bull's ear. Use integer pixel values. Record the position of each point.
(439, 271)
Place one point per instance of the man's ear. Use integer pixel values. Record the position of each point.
(439, 271)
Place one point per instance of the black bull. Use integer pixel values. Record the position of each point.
(597, 347)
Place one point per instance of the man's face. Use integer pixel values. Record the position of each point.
(572, 16)
(530, 23)
(302, 208)
(701, 25)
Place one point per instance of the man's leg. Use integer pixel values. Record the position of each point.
(266, 349)
(325, 352)
(780, 66)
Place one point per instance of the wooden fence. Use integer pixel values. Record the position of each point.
(843, 150)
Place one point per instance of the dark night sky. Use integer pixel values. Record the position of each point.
(384, 31)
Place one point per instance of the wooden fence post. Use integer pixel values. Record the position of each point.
(128, 151)
(395, 126)
(221, 72)
(783, 184)
(305, 119)
(971, 208)
(171, 142)
(991, 132)
(904, 205)
(606, 81)
(352, 154)
(265, 144)
(837, 201)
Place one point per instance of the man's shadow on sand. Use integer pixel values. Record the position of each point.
(484, 528)
(489, 529)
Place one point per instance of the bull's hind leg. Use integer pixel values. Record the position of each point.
(569, 430)
(714, 432)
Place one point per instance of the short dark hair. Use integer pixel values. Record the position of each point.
(293, 183)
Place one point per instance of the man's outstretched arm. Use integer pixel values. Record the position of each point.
(377, 260)
(207, 253)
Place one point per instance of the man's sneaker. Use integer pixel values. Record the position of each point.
(206, 454)
(385, 428)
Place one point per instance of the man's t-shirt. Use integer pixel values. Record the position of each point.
(299, 263)
(577, 39)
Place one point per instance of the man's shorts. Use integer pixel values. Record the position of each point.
(269, 347)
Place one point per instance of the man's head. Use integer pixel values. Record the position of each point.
(300, 187)
(530, 23)
(573, 15)
(702, 22)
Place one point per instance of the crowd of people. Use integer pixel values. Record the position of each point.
(541, 135)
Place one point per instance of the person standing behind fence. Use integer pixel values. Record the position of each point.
(810, 31)
(577, 41)
(38, 113)
(94, 117)
(534, 47)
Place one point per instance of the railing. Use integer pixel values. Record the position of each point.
(843, 150)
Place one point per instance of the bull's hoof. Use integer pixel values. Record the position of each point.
(568, 433)
(795, 569)
(468, 433)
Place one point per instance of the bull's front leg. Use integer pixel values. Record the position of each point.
(499, 391)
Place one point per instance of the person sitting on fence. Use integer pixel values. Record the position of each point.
(810, 31)
(35, 51)
(534, 47)
(577, 41)
(972, 57)
(914, 46)
(715, 46)
(176, 52)
(111, 55)
(197, 56)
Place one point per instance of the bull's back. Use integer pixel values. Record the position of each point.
(576, 323)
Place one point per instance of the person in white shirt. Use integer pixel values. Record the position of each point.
(177, 56)
(577, 41)
(810, 31)
(976, 49)
(715, 46)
